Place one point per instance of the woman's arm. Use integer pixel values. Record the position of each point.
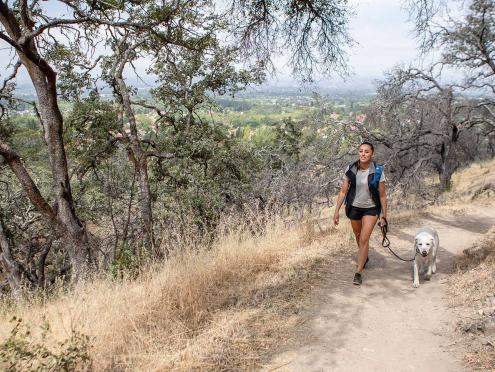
(383, 198)
(340, 199)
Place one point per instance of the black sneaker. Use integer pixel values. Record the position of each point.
(367, 259)
(357, 279)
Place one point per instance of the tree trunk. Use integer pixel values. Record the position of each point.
(44, 81)
(450, 163)
(447, 167)
(445, 178)
(8, 263)
(139, 156)
(77, 238)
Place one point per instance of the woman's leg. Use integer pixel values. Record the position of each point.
(367, 225)
(356, 228)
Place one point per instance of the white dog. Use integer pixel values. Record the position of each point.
(426, 245)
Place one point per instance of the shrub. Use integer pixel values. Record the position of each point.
(22, 352)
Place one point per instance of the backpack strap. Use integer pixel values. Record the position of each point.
(377, 175)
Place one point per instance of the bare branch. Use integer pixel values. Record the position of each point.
(17, 65)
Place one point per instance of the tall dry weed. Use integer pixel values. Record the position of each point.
(224, 304)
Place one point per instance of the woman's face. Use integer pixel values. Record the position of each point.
(365, 153)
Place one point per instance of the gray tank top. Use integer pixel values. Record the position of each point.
(363, 196)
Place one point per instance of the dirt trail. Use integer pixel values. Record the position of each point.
(386, 325)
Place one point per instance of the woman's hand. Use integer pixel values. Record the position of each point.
(336, 218)
(382, 222)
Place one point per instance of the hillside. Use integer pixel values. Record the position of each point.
(236, 305)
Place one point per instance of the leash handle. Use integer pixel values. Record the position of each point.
(384, 229)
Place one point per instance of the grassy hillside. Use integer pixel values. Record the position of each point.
(228, 306)
(202, 309)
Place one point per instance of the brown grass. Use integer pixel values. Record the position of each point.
(472, 289)
(208, 310)
(474, 182)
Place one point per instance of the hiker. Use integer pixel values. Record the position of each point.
(363, 189)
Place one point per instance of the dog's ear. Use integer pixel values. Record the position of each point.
(432, 241)
(415, 241)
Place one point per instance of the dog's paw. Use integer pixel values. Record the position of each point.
(434, 269)
(416, 284)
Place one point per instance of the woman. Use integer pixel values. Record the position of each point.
(363, 189)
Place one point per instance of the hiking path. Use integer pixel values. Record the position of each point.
(386, 324)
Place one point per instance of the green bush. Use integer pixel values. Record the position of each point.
(126, 263)
(21, 352)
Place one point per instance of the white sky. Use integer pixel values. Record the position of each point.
(383, 37)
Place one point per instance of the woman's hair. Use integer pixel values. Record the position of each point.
(369, 144)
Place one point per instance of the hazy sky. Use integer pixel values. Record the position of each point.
(383, 38)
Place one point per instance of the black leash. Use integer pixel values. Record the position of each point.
(386, 241)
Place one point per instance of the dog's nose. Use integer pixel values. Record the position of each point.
(424, 254)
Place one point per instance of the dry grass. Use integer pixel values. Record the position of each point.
(208, 310)
(226, 308)
(475, 182)
(472, 289)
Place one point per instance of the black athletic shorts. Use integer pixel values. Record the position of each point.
(356, 213)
